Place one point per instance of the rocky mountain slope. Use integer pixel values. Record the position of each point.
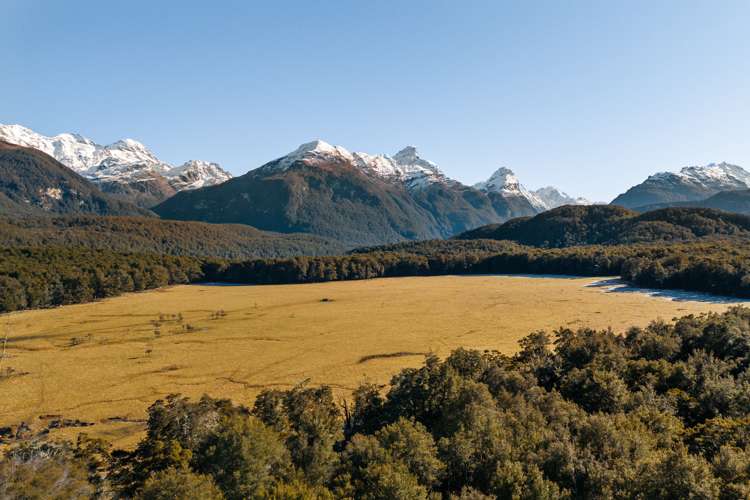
(32, 182)
(357, 198)
(689, 184)
(126, 168)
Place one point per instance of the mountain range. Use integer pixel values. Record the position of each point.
(124, 169)
(690, 184)
(357, 198)
(352, 197)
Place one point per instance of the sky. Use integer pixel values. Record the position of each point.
(588, 96)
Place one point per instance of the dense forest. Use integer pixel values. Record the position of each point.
(49, 261)
(152, 235)
(611, 225)
(657, 413)
(52, 276)
(721, 267)
(43, 277)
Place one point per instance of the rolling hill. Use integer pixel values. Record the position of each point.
(606, 224)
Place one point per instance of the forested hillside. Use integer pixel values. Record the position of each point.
(611, 225)
(659, 412)
(32, 182)
(355, 198)
(152, 235)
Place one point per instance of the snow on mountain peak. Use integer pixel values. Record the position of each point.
(124, 161)
(406, 166)
(196, 174)
(503, 181)
(716, 176)
(553, 197)
(407, 155)
(311, 152)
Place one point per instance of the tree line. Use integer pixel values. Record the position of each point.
(659, 412)
(51, 276)
(714, 266)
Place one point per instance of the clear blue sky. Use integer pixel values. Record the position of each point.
(588, 96)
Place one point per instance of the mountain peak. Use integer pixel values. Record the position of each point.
(123, 144)
(312, 151)
(504, 182)
(407, 155)
(553, 198)
(316, 146)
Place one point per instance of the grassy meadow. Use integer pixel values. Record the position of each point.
(100, 365)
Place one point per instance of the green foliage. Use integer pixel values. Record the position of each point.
(244, 457)
(720, 266)
(310, 422)
(54, 276)
(48, 276)
(174, 483)
(44, 471)
(152, 235)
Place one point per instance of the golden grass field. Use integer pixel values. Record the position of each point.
(106, 362)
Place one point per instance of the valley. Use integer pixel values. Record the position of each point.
(104, 363)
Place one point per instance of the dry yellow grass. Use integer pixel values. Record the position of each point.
(105, 362)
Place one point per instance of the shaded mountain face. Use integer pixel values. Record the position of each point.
(125, 169)
(32, 182)
(609, 225)
(730, 201)
(689, 184)
(356, 198)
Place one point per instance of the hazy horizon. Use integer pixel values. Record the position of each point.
(585, 97)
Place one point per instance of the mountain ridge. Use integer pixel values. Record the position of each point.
(125, 168)
(360, 198)
(691, 183)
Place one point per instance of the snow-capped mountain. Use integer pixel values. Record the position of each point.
(722, 176)
(505, 183)
(408, 168)
(689, 184)
(121, 167)
(553, 198)
(196, 174)
(405, 167)
(356, 198)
